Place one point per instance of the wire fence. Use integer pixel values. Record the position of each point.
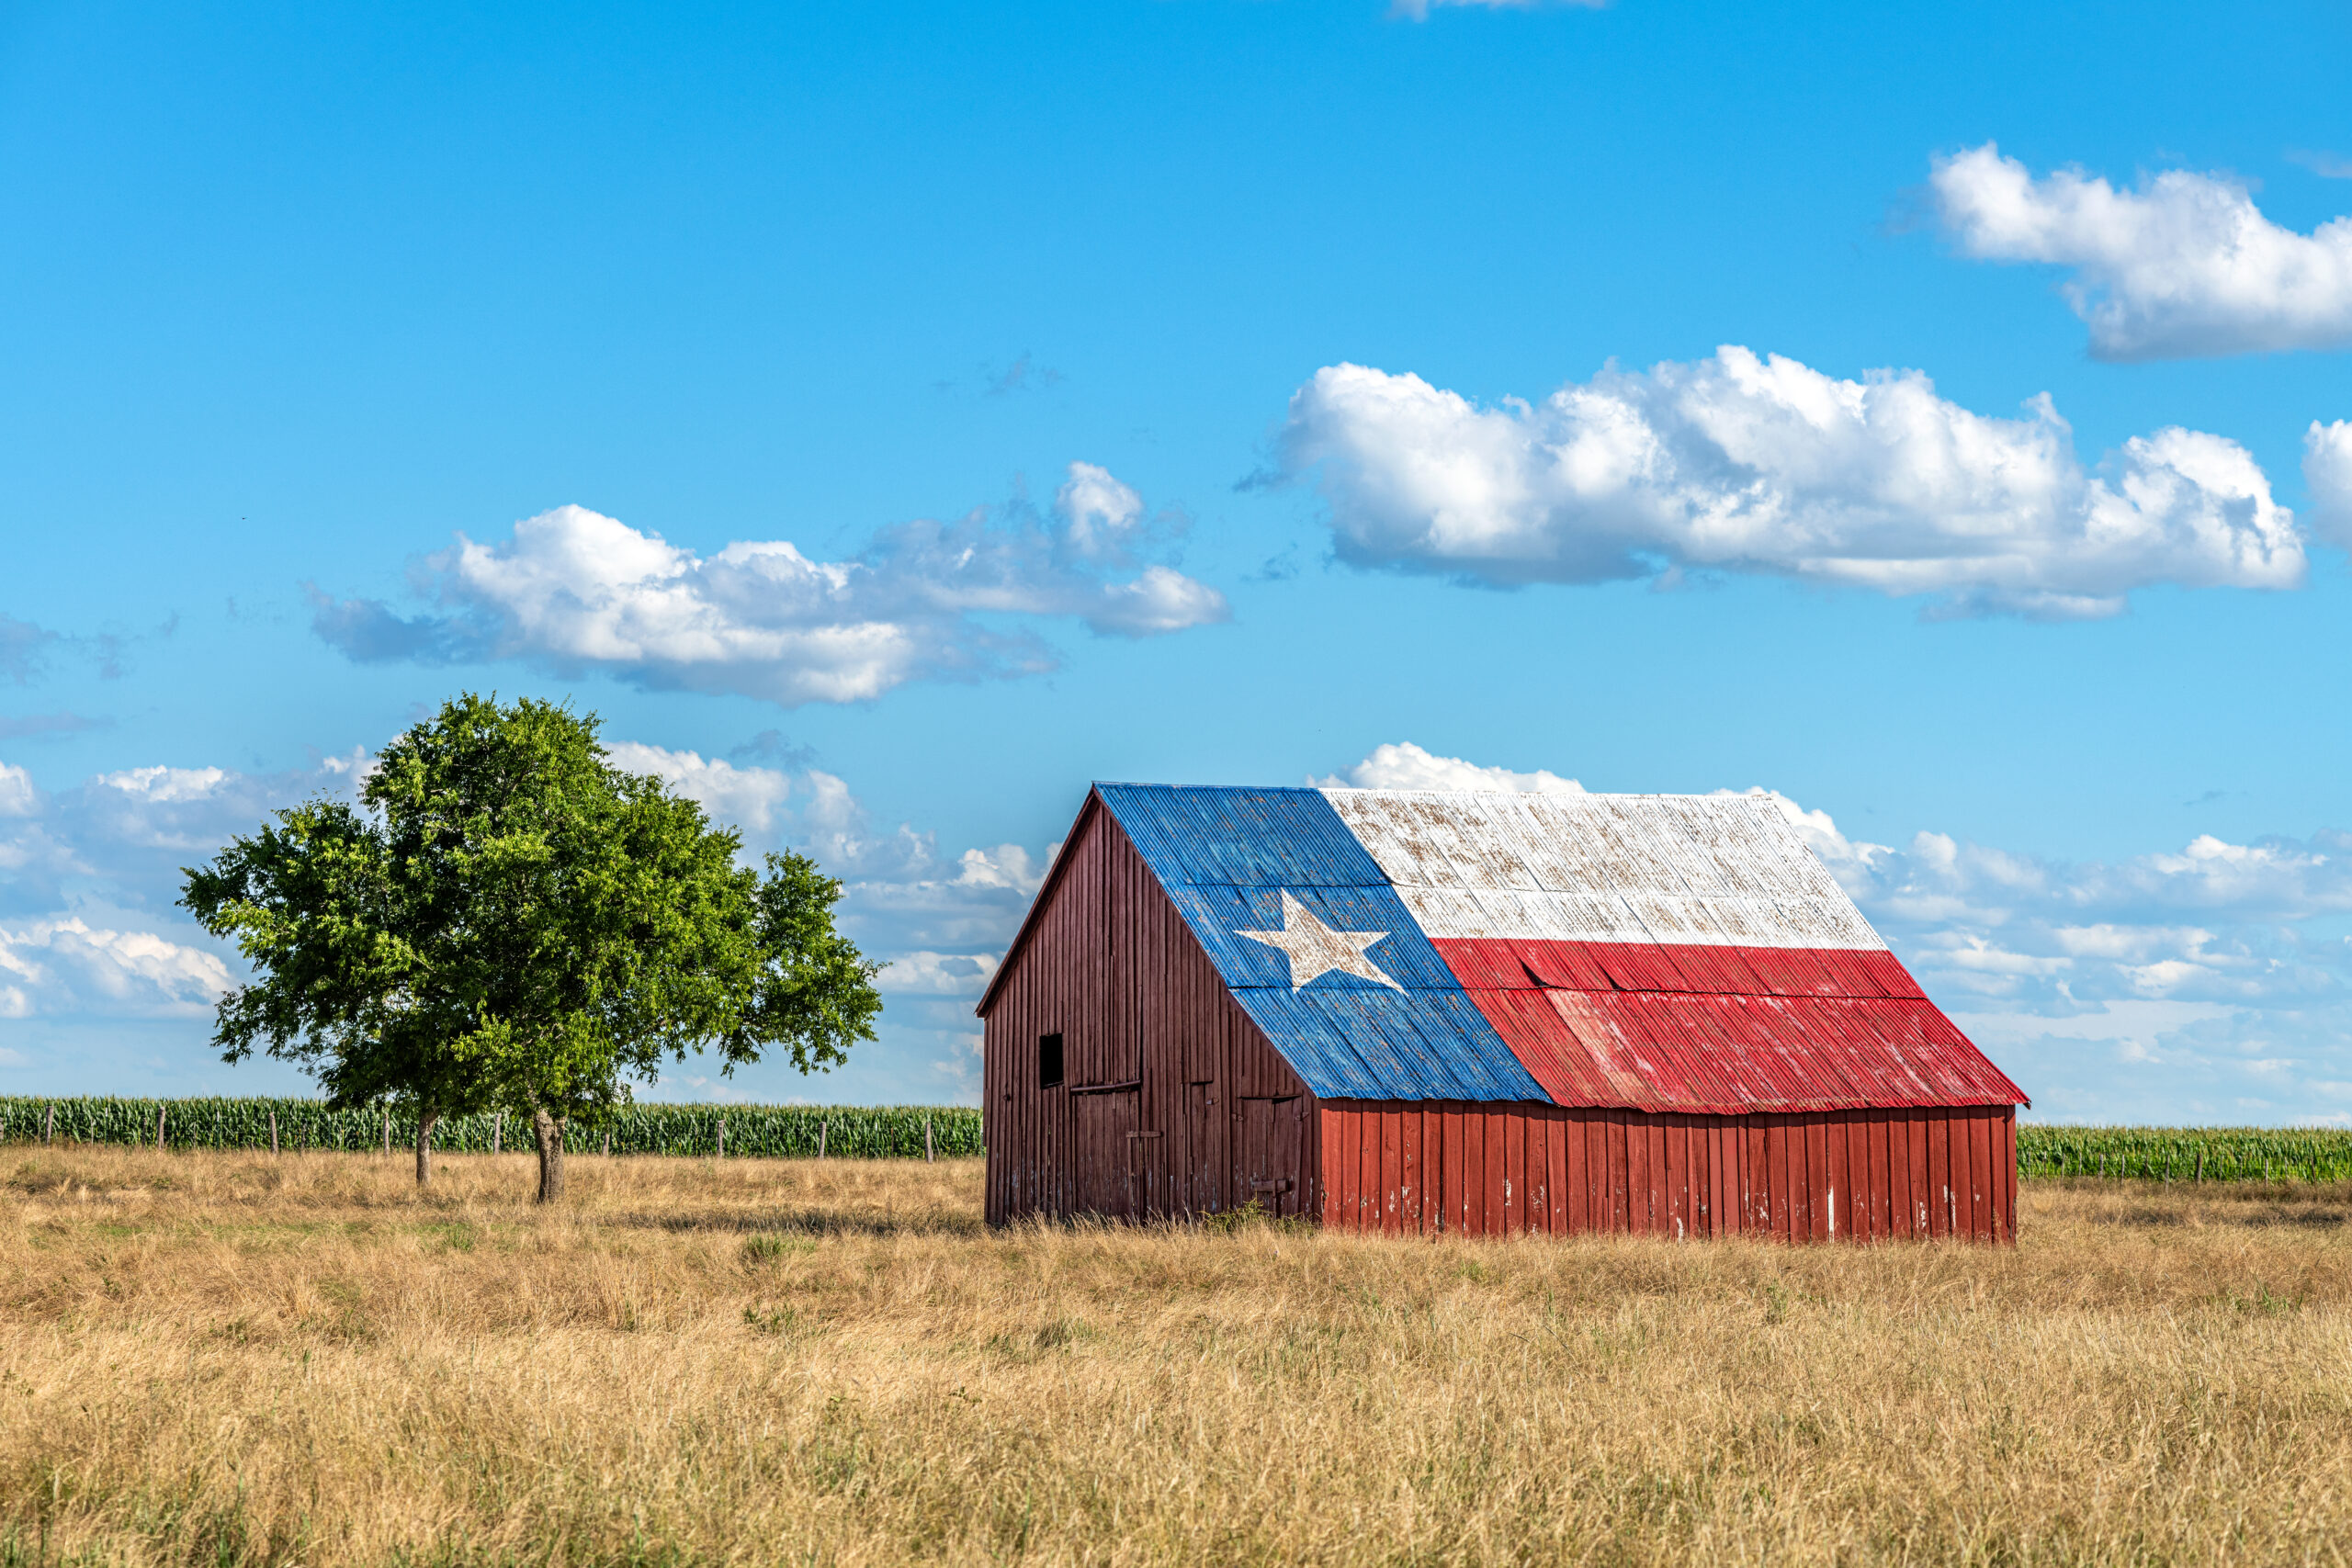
(884, 1132)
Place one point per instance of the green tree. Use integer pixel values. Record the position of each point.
(507, 921)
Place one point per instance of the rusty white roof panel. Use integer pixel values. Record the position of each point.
(1666, 824)
(1551, 835)
(1729, 868)
(1450, 912)
(1786, 857)
(1503, 840)
(1640, 860)
(1542, 917)
(1671, 919)
(1753, 922)
(1828, 922)
(1711, 827)
(1392, 833)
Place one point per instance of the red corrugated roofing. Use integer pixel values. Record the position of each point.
(1738, 1032)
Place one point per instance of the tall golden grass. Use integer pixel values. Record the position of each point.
(226, 1358)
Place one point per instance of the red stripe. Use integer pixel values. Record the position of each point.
(1722, 1031)
(1519, 962)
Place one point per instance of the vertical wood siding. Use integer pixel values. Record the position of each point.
(1424, 1167)
(1173, 1102)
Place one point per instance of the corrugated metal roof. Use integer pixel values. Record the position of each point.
(1658, 952)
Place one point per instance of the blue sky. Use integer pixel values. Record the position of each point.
(1030, 330)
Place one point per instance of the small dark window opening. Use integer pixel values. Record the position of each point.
(1049, 1061)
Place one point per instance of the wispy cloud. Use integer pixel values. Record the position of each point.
(34, 725)
(24, 648)
(1023, 375)
(1418, 10)
(2326, 165)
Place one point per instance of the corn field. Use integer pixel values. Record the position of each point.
(896, 1132)
(890, 1131)
(2186, 1154)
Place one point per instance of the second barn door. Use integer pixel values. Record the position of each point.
(1106, 1122)
(1274, 1153)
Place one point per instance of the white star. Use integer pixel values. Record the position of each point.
(1315, 950)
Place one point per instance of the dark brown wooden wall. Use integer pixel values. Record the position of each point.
(1405, 1167)
(1214, 1114)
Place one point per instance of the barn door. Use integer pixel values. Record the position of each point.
(1106, 1154)
(1274, 1139)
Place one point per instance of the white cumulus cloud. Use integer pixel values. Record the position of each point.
(89, 875)
(1754, 464)
(1403, 765)
(924, 973)
(165, 786)
(572, 589)
(2213, 921)
(2183, 265)
(65, 964)
(749, 798)
(2327, 478)
(18, 795)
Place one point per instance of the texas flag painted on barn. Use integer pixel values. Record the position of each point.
(1657, 953)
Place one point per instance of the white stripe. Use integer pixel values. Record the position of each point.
(1677, 869)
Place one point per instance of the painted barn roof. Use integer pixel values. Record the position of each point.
(1657, 953)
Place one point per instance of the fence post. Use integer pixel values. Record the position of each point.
(388, 1130)
(159, 1129)
(497, 1129)
(608, 1143)
(722, 1137)
(48, 1125)
(927, 1155)
(272, 1132)
(823, 1124)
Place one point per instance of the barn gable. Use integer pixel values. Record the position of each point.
(1167, 1099)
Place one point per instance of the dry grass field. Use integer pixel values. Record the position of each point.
(229, 1358)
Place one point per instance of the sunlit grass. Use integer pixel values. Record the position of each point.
(226, 1358)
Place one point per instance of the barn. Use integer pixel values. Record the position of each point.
(1416, 1012)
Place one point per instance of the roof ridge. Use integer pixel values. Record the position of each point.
(1750, 793)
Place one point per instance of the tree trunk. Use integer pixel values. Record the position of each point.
(549, 1134)
(424, 1119)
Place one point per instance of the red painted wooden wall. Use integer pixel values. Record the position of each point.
(1404, 1168)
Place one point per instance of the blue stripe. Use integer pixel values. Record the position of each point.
(1226, 857)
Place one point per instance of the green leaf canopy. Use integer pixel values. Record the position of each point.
(509, 921)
